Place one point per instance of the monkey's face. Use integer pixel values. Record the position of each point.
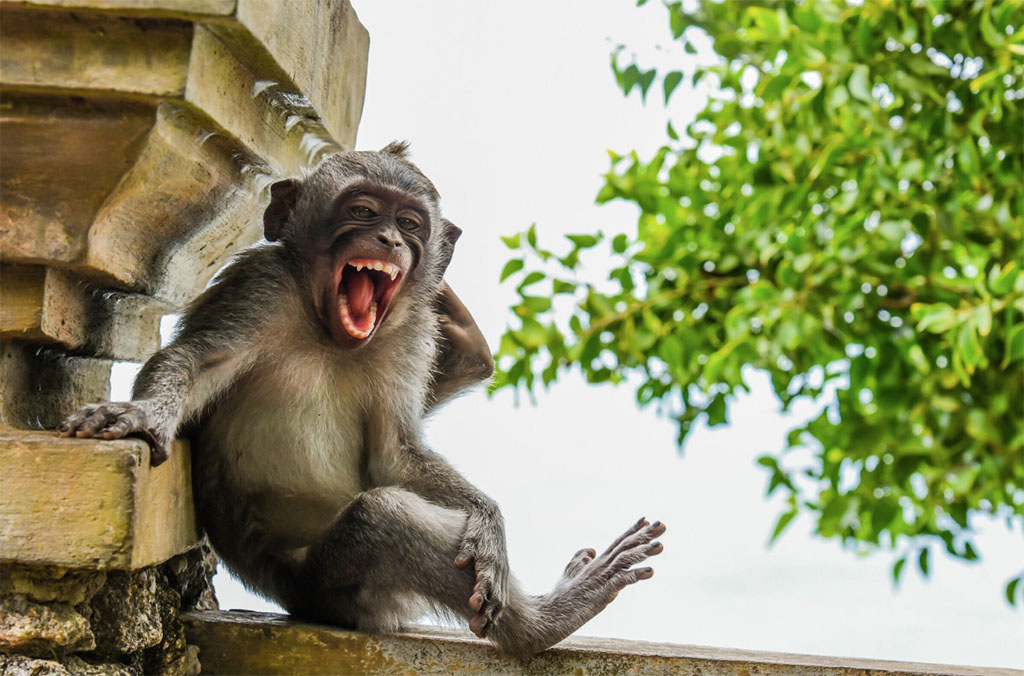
(366, 230)
(377, 242)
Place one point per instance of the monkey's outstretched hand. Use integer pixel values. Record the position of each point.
(115, 420)
(484, 545)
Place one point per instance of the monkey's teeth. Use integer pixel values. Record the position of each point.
(350, 326)
(390, 269)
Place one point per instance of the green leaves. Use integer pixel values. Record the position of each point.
(1012, 588)
(860, 85)
(845, 217)
(670, 83)
(511, 267)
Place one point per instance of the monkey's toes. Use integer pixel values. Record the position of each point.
(578, 562)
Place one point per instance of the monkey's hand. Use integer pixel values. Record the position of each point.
(464, 348)
(484, 545)
(114, 420)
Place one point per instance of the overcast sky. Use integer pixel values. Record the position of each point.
(510, 109)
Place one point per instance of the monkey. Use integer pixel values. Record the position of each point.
(301, 377)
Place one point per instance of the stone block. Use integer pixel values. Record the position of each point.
(232, 80)
(62, 157)
(94, 52)
(39, 387)
(325, 59)
(125, 326)
(43, 305)
(53, 306)
(93, 504)
(189, 202)
(190, 8)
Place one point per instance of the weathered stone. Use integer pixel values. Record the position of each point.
(42, 629)
(124, 326)
(173, 656)
(42, 305)
(54, 179)
(97, 52)
(260, 107)
(190, 201)
(51, 583)
(159, 7)
(53, 306)
(87, 503)
(325, 59)
(169, 196)
(126, 614)
(20, 665)
(39, 387)
(191, 575)
(262, 643)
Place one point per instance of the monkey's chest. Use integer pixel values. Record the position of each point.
(297, 441)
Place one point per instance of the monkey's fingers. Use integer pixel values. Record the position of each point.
(95, 422)
(73, 421)
(117, 429)
(632, 529)
(636, 539)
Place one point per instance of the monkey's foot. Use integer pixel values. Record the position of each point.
(602, 579)
(486, 602)
(579, 561)
(589, 585)
(113, 420)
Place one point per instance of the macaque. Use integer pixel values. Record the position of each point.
(302, 376)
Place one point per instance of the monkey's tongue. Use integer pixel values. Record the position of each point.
(358, 311)
(359, 289)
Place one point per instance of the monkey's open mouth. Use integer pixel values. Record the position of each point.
(366, 287)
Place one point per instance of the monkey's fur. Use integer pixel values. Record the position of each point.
(310, 473)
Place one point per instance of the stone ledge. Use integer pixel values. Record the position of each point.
(242, 642)
(94, 504)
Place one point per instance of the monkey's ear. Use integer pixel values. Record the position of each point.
(452, 233)
(282, 200)
(399, 149)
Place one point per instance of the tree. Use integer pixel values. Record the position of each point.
(845, 213)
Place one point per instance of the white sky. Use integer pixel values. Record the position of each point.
(510, 108)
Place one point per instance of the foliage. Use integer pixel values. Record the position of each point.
(845, 213)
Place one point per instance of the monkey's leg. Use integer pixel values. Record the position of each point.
(391, 546)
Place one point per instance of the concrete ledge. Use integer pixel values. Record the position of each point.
(94, 504)
(242, 642)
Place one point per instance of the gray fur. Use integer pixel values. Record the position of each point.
(310, 474)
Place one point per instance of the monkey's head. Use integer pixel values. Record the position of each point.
(367, 233)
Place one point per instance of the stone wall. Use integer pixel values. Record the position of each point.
(137, 139)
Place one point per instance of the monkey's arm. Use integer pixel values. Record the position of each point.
(464, 358)
(213, 344)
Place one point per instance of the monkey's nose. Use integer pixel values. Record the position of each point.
(387, 240)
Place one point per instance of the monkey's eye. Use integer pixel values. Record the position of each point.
(360, 211)
(408, 224)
